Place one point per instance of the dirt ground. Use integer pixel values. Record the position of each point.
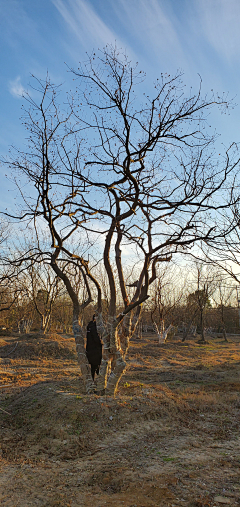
(170, 437)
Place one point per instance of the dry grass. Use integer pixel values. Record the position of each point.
(170, 437)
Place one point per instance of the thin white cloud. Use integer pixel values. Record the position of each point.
(152, 27)
(219, 21)
(149, 17)
(147, 30)
(85, 23)
(16, 88)
(19, 27)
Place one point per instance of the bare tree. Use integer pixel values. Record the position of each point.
(167, 294)
(113, 172)
(224, 256)
(222, 297)
(43, 289)
(199, 301)
(10, 289)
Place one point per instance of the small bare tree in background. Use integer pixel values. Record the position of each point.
(223, 297)
(43, 289)
(199, 301)
(168, 293)
(11, 290)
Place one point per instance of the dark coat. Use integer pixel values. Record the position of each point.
(94, 345)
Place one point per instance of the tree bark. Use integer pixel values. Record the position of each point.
(82, 357)
(78, 331)
(162, 335)
(202, 329)
(45, 322)
(185, 334)
(224, 334)
(112, 357)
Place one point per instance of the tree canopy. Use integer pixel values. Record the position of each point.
(113, 168)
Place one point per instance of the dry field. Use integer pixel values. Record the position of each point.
(169, 438)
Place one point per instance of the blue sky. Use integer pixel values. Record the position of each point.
(197, 36)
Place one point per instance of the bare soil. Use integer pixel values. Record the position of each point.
(170, 437)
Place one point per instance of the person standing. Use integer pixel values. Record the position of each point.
(93, 347)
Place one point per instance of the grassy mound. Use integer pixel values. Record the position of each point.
(33, 346)
(169, 437)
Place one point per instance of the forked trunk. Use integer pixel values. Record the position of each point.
(163, 333)
(166, 331)
(113, 357)
(45, 321)
(78, 330)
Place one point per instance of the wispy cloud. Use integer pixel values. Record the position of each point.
(19, 27)
(152, 28)
(145, 29)
(219, 22)
(16, 88)
(83, 21)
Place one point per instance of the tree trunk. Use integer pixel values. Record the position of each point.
(159, 334)
(224, 334)
(116, 374)
(45, 321)
(24, 325)
(186, 332)
(223, 324)
(78, 331)
(202, 329)
(162, 335)
(82, 357)
(116, 335)
(165, 333)
(106, 360)
(112, 357)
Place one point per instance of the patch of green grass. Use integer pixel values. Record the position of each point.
(166, 458)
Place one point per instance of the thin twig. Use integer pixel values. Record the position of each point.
(3, 357)
(5, 411)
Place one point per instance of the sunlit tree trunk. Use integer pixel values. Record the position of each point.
(163, 333)
(112, 357)
(78, 330)
(45, 322)
(116, 334)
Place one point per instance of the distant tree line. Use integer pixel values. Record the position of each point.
(33, 299)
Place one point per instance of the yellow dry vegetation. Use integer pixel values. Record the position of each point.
(170, 437)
